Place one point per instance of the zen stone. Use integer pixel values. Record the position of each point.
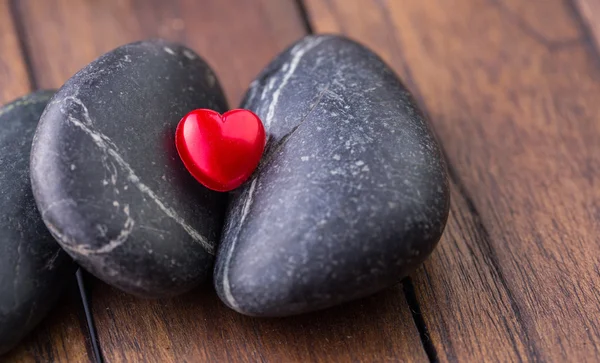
(106, 174)
(33, 268)
(351, 195)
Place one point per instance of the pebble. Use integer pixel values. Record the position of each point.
(106, 174)
(33, 268)
(351, 194)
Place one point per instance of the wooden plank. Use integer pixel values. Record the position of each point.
(13, 74)
(198, 327)
(512, 90)
(590, 13)
(238, 38)
(60, 337)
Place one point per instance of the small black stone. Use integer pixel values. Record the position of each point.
(33, 268)
(106, 174)
(351, 195)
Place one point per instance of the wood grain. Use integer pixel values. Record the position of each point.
(590, 14)
(512, 91)
(14, 82)
(60, 337)
(199, 328)
(238, 38)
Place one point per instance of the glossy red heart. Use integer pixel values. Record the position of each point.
(220, 151)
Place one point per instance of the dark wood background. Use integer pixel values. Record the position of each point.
(512, 89)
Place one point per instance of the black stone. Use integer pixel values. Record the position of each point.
(33, 268)
(106, 174)
(351, 195)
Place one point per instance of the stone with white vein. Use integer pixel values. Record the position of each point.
(351, 195)
(107, 177)
(33, 268)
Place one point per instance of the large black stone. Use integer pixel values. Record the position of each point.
(106, 174)
(351, 195)
(33, 268)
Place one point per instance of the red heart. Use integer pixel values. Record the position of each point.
(221, 152)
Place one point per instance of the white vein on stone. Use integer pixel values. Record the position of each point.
(289, 68)
(68, 244)
(251, 92)
(55, 203)
(52, 260)
(123, 235)
(245, 209)
(297, 53)
(107, 146)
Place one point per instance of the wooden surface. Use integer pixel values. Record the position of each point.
(590, 19)
(63, 335)
(511, 88)
(13, 75)
(197, 327)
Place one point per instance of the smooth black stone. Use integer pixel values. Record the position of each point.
(33, 268)
(351, 195)
(106, 174)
